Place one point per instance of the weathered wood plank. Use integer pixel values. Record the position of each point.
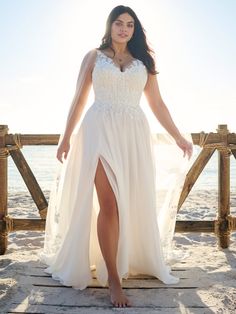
(195, 226)
(94, 297)
(30, 180)
(52, 139)
(20, 224)
(29, 308)
(185, 282)
(223, 231)
(3, 186)
(39, 272)
(34, 139)
(25, 224)
(194, 172)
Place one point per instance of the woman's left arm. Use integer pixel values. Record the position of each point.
(163, 115)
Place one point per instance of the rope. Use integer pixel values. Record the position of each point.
(9, 223)
(18, 145)
(218, 232)
(231, 222)
(3, 131)
(222, 147)
(5, 151)
(203, 138)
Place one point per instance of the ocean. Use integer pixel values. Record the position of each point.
(42, 161)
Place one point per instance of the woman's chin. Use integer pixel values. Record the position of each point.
(120, 40)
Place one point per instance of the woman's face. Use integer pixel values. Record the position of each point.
(122, 28)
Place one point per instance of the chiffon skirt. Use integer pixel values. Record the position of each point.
(146, 174)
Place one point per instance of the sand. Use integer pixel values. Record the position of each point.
(208, 283)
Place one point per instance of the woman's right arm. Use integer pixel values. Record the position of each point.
(83, 87)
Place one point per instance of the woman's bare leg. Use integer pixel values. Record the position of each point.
(108, 234)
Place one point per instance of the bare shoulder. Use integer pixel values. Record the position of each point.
(89, 59)
(91, 54)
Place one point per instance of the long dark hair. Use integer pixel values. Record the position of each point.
(137, 45)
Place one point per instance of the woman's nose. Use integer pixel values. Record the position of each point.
(124, 29)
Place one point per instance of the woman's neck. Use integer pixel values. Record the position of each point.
(119, 48)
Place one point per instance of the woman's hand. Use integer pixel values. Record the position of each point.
(63, 149)
(186, 146)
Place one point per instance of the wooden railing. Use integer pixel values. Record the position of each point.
(222, 141)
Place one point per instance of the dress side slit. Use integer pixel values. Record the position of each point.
(111, 177)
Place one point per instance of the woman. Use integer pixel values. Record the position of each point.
(114, 228)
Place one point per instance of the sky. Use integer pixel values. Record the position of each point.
(43, 43)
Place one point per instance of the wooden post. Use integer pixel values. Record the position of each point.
(3, 188)
(223, 230)
(194, 172)
(30, 182)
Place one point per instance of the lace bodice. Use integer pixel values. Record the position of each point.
(116, 89)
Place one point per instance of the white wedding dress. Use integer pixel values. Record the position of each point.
(146, 175)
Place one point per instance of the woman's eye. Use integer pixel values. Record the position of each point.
(120, 24)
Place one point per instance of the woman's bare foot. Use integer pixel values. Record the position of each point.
(118, 299)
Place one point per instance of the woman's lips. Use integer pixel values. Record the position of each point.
(122, 35)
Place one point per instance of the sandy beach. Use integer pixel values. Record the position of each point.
(210, 269)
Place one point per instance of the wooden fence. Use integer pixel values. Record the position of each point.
(222, 141)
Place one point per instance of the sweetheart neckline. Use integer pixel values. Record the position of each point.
(110, 60)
